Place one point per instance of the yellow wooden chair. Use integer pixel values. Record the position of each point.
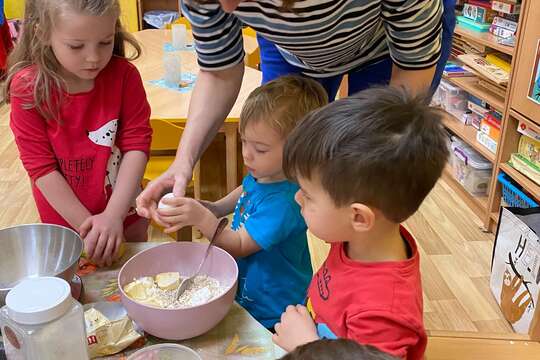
(165, 139)
(182, 21)
(253, 57)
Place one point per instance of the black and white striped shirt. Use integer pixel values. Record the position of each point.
(326, 37)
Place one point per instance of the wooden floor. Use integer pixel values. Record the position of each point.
(455, 253)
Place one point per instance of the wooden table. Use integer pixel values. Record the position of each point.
(102, 286)
(173, 105)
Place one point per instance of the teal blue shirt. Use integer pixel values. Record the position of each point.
(279, 274)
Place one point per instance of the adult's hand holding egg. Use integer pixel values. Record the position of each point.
(163, 205)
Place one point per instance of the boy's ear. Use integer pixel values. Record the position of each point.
(362, 217)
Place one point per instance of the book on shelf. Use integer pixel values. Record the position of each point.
(530, 149)
(492, 87)
(505, 7)
(499, 60)
(526, 130)
(475, 119)
(526, 167)
(478, 101)
(505, 23)
(470, 46)
(486, 141)
(491, 130)
(510, 41)
(452, 70)
(486, 4)
(501, 32)
(481, 65)
(478, 109)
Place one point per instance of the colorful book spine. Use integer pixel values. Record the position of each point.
(480, 110)
(524, 129)
(505, 23)
(505, 7)
(482, 3)
(501, 32)
(487, 128)
(485, 140)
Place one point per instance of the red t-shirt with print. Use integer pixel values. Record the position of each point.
(87, 142)
(377, 303)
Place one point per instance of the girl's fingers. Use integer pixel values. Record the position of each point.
(100, 248)
(85, 228)
(109, 250)
(90, 243)
(173, 228)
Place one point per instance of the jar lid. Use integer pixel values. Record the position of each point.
(38, 300)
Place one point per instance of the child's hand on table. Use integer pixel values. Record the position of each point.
(102, 235)
(296, 328)
(182, 211)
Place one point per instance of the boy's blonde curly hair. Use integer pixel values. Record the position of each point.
(282, 103)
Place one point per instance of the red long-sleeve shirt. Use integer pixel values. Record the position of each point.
(87, 142)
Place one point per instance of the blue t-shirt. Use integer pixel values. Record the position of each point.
(279, 274)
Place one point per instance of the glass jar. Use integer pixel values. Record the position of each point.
(42, 321)
(172, 64)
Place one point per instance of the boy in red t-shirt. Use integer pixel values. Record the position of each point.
(364, 165)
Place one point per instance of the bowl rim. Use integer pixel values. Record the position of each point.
(173, 345)
(46, 224)
(234, 283)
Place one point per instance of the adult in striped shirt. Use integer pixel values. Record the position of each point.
(372, 41)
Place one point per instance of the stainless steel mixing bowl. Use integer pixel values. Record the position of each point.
(37, 250)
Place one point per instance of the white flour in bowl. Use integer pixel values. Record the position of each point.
(202, 290)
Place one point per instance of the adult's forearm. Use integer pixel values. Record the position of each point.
(226, 205)
(213, 98)
(416, 81)
(128, 183)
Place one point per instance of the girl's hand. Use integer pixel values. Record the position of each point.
(182, 211)
(296, 328)
(102, 235)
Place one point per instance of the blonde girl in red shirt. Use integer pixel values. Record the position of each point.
(81, 120)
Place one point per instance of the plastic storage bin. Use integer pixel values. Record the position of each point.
(453, 99)
(512, 195)
(470, 168)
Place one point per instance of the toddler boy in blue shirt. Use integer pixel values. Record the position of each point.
(268, 233)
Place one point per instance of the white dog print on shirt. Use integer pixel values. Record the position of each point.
(106, 136)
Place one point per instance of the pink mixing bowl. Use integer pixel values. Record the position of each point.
(184, 257)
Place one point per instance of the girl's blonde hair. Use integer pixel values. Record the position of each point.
(33, 49)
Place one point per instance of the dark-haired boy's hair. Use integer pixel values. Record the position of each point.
(341, 349)
(381, 147)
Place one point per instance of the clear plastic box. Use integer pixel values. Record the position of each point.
(470, 168)
(165, 351)
(453, 99)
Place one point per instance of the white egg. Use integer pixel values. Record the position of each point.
(162, 205)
